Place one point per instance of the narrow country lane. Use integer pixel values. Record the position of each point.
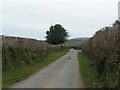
(63, 73)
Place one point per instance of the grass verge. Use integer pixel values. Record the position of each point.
(88, 72)
(10, 77)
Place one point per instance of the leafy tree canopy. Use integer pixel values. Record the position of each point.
(56, 35)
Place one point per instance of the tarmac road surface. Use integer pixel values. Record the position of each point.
(63, 73)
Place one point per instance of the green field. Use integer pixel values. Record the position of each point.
(73, 42)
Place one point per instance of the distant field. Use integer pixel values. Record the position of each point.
(75, 42)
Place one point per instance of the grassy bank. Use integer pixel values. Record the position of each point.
(15, 75)
(88, 72)
(104, 49)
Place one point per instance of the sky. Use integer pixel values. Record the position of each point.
(119, 10)
(32, 18)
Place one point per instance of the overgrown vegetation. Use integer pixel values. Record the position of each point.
(18, 72)
(104, 50)
(88, 72)
(56, 35)
(18, 60)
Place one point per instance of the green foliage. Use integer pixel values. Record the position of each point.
(14, 58)
(104, 49)
(88, 72)
(56, 35)
(21, 56)
(19, 63)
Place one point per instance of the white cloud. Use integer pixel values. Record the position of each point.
(80, 19)
(48, 1)
(0, 18)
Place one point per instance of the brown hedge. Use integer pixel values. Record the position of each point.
(20, 52)
(104, 49)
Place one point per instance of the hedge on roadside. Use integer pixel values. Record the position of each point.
(21, 52)
(104, 49)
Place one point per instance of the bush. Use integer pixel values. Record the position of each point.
(104, 49)
(21, 52)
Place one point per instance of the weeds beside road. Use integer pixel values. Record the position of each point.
(88, 72)
(10, 77)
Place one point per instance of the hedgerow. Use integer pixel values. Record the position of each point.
(21, 52)
(104, 49)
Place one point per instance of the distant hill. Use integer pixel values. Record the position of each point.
(76, 41)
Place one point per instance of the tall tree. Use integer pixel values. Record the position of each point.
(56, 35)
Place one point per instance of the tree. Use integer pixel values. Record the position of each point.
(56, 35)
